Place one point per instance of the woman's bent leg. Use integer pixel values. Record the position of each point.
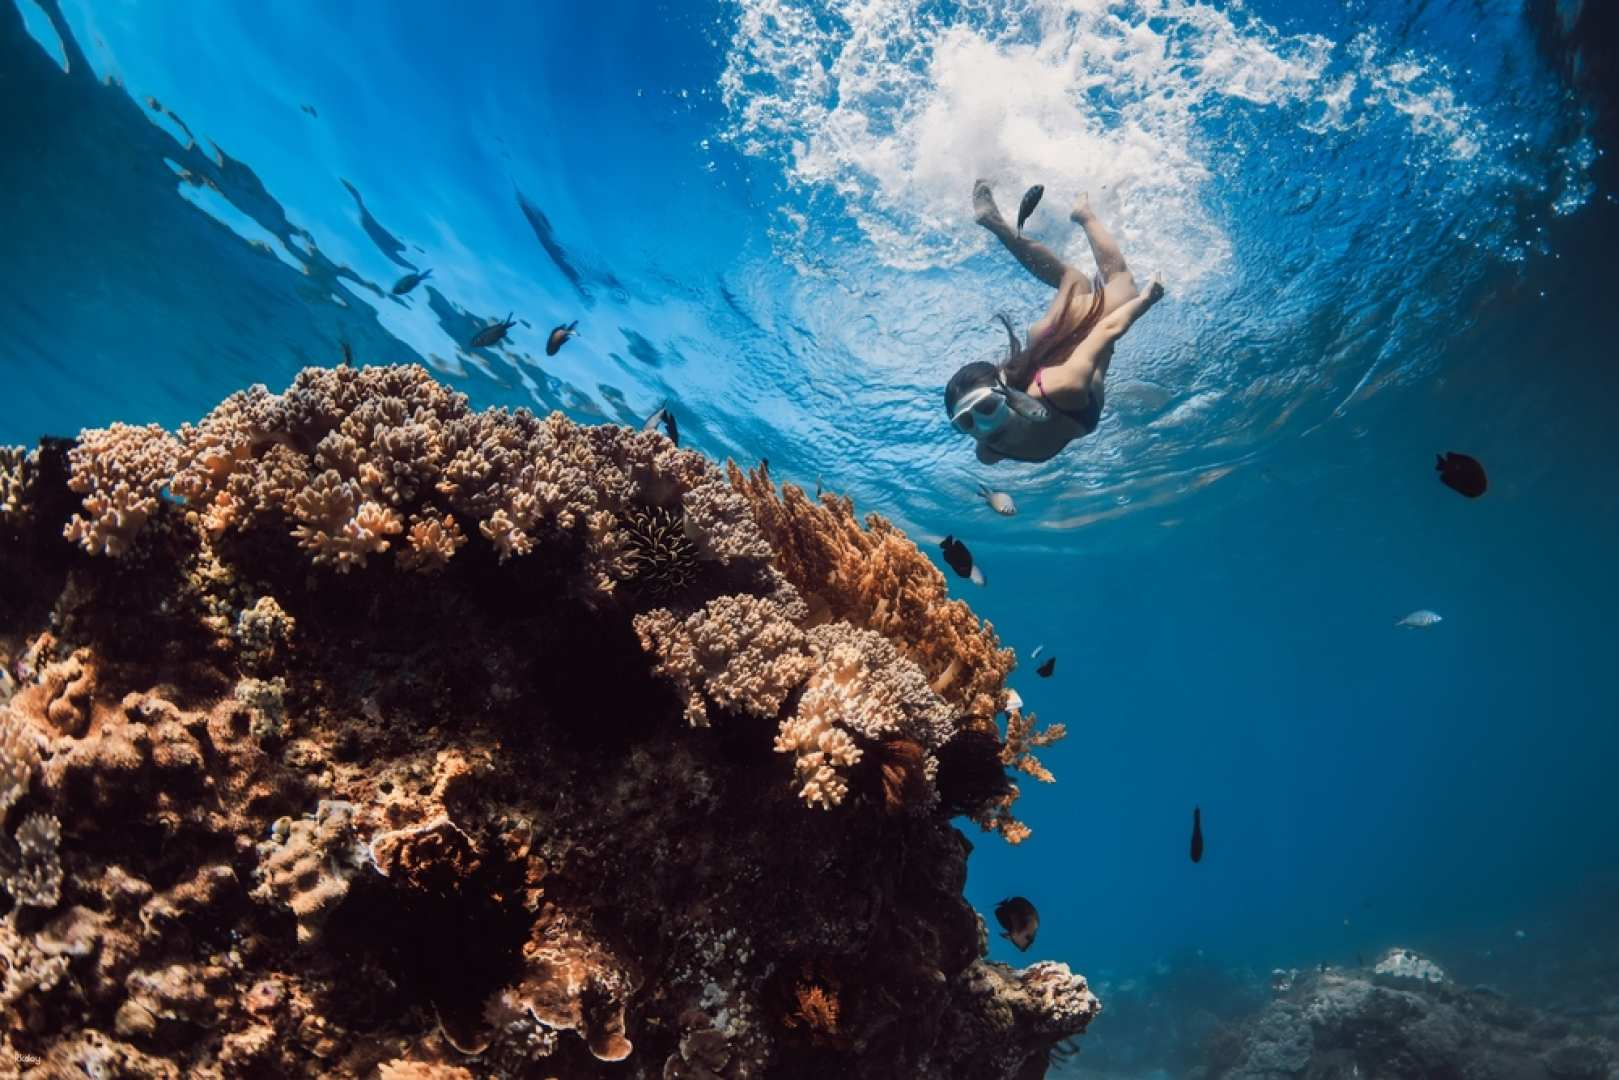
(1036, 258)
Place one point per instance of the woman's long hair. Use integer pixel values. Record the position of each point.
(1023, 361)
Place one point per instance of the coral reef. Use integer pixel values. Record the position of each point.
(355, 733)
(1332, 1022)
(1404, 964)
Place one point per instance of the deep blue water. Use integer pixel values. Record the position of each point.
(1385, 231)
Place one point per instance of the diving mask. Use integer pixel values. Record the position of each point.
(987, 409)
(982, 411)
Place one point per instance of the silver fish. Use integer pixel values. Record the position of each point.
(1420, 620)
(999, 501)
(667, 419)
(1038, 649)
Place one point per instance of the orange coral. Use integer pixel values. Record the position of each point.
(904, 767)
(1017, 752)
(876, 577)
(1021, 741)
(815, 1005)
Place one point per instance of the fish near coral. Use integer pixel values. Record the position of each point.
(405, 284)
(1031, 199)
(960, 559)
(667, 419)
(559, 337)
(1197, 834)
(1462, 474)
(493, 334)
(1045, 669)
(1019, 921)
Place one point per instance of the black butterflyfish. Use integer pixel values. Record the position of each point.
(960, 560)
(1462, 473)
(1019, 921)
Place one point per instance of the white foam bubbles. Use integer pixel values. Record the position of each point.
(896, 110)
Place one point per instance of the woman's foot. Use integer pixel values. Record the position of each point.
(1082, 208)
(985, 212)
(1155, 290)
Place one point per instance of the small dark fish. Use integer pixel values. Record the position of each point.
(559, 337)
(493, 334)
(817, 489)
(1019, 920)
(960, 559)
(1360, 959)
(1031, 199)
(310, 109)
(348, 355)
(667, 419)
(1462, 473)
(1045, 669)
(1197, 834)
(410, 281)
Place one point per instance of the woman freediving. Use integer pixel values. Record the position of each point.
(1048, 391)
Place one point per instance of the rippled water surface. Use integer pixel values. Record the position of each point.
(1384, 229)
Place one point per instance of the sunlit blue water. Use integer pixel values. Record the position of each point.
(1384, 235)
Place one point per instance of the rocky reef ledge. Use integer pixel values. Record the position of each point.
(350, 732)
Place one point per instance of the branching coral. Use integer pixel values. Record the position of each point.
(120, 471)
(876, 577)
(743, 652)
(30, 866)
(1022, 740)
(19, 757)
(863, 686)
(359, 462)
(17, 468)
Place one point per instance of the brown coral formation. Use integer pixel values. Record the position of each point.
(875, 577)
(617, 790)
